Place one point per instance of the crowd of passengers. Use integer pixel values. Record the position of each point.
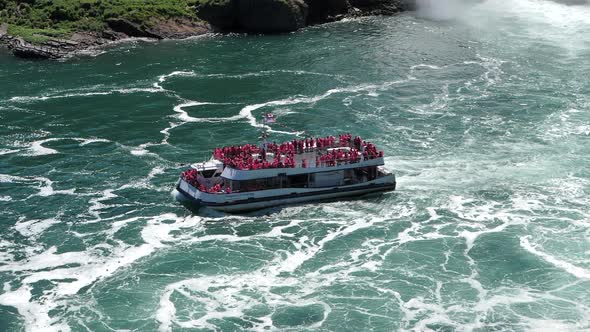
(242, 157)
(252, 157)
(192, 177)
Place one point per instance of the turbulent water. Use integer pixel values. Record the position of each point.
(485, 118)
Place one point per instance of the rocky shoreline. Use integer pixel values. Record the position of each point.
(83, 41)
(255, 16)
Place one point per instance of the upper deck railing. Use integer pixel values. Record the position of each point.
(310, 152)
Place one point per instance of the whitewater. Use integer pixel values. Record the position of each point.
(482, 108)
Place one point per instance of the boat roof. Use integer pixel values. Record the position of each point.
(208, 165)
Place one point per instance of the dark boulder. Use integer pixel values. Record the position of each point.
(271, 15)
(219, 13)
(378, 7)
(321, 11)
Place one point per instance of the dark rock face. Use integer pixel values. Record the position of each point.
(271, 15)
(287, 15)
(221, 14)
(255, 15)
(377, 7)
(327, 10)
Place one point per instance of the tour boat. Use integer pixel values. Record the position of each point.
(252, 177)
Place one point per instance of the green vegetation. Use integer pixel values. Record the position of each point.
(36, 35)
(37, 20)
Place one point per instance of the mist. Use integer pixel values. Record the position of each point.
(441, 10)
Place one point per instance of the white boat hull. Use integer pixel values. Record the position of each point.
(240, 202)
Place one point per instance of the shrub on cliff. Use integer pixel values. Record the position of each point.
(76, 15)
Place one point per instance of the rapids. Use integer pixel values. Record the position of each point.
(483, 113)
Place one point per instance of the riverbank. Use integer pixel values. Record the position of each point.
(61, 29)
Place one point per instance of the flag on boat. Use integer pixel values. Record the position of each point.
(269, 118)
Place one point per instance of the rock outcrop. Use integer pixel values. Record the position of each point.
(178, 28)
(53, 48)
(377, 7)
(129, 28)
(255, 15)
(271, 15)
(275, 16)
(172, 28)
(321, 11)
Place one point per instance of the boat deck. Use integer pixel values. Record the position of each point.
(310, 157)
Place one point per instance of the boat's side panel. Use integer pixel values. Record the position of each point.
(221, 198)
(267, 198)
(298, 199)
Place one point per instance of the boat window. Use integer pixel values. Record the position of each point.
(297, 181)
(258, 184)
(366, 173)
(327, 179)
(208, 173)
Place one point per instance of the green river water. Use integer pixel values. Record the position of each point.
(485, 119)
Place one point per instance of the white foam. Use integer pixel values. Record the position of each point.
(163, 78)
(7, 151)
(47, 259)
(86, 141)
(78, 93)
(35, 227)
(246, 112)
(564, 124)
(222, 296)
(424, 65)
(271, 72)
(5, 256)
(46, 189)
(45, 185)
(576, 271)
(141, 150)
(155, 171)
(96, 203)
(6, 178)
(136, 90)
(183, 115)
(166, 131)
(35, 315)
(37, 149)
(88, 267)
(551, 325)
(28, 99)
